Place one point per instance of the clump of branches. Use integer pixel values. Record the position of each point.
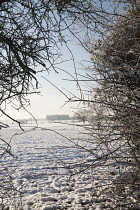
(32, 36)
(114, 122)
(117, 62)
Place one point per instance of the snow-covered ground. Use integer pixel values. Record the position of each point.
(44, 173)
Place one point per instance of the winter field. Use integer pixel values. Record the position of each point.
(52, 168)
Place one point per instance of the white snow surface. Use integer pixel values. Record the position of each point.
(45, 169)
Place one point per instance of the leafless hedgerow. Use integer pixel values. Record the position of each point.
(114, 113)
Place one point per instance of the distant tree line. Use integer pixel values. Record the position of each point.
(59, 117)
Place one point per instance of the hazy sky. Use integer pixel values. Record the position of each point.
(50, 101)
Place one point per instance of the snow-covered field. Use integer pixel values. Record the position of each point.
(44, 173)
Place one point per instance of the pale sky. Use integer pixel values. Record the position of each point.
(50, 101)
